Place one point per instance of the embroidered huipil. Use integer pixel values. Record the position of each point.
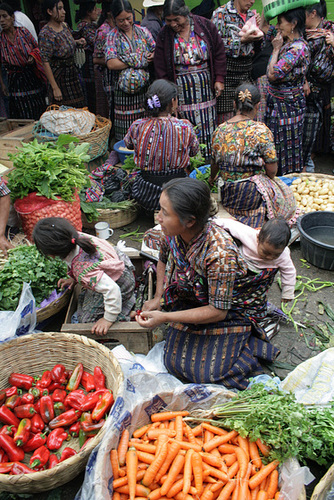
(321, 69)
(17, 53)
(292, 65)
(133, 52)
(54, 44)
(100, 39)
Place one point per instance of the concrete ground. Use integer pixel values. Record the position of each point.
(295, 346)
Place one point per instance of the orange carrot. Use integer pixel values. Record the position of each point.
(131, 471)
(189, 434)
(149, 448)
(178, 428)
(143, 456)
(182, 496)
(141, 491)
(254, 454)
(235, 494)
(123, 496)
(227, 448)
(175, 468)
(227, 491)
(167, 415)
(176, 488)
(207, 495)
(278, 496)
(116, 496)
(273, 484)
(173, 450)
(262, 495)
(244, 491)
(219, 440)
(114, 463)
(186, 446)
(243, 462)
(214, 429)
(217, 486)
(254, 492)
(187, 471)
(172, 425)
(208, 435)
(229, 458)
(154, 467)
(218, 473)
(122, 481)
(154, 433)
(197, 465)
(211, 459)
(123, 446)
(244, 445)
(154, 494)
(138, 433)
(198, 430)
(162, 438)
(265, 450)
(262, 474)
(232, 471)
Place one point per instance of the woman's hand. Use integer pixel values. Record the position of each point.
(330, 38)
(152, 305)
(81, 42)
(285, 301)
(150, 319)
(150, 57)
(219, 87)
(306, 88)
(66, 283)
(277, 42)
(31, 60)
(57, 94)
(101, 327)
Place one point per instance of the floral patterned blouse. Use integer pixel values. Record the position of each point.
(228, 23)
(100, 39)
(321, 69)
(292, 65)
(53, 44)
(241, 149)
(134, 51)
(192, 52)
(87, 31)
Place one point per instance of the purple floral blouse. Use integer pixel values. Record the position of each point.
(53, 44)
(292, 65)
(100, 39)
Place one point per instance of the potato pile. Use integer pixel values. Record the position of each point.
(314, 194)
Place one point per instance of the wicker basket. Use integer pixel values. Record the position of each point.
(32, 354)
(54, 307)
(98, 137)
(116, 218)
(307, 175)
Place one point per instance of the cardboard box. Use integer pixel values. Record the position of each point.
(12, 134)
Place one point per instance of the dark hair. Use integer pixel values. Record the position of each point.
(320, 8)
(249, 102)
(15, 4)
(297, 15)
(7, 8)
(276, 232)
(175, 8)
(106, 9)
(84, 9)
(190, 198)
(57, 236)
(165, 91)
(118, 6)
(49, 4)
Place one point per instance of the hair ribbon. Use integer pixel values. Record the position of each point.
(153, 102)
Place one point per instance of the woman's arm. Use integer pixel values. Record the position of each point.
(196, 316)
(116, 64)
(214, 171)
(154, 304)
(100, 61)
(277, 44)
(49, 75)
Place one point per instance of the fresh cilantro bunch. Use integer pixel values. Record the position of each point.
(26, 264)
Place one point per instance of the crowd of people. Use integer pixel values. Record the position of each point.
(250, 95)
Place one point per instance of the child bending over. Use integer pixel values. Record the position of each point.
(266, 248)
(105, 272)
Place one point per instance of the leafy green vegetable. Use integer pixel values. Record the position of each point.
(129, 164)
(49, 168)
(90, 208)
(197, 160)
(26, 264)
(275, 417)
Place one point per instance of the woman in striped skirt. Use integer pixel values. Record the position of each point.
(162, 145)
(128, 47)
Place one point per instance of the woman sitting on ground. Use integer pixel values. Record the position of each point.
(162, 144)
(244, 157)
(211, 304)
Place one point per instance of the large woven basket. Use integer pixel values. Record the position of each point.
(116, 218)
(307, 175)
(32, 354)
(98, 137)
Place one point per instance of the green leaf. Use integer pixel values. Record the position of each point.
(65, 139)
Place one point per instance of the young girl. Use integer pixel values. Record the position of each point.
(162, 145)
(266, 248)
(94, 264)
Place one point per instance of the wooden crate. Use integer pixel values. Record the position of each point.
(12, 134)
(128, 333)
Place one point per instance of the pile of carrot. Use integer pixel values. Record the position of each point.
(168, 459)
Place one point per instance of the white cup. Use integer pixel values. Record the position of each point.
(103, 230)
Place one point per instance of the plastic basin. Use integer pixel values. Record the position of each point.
(317, 238)
(121, 153)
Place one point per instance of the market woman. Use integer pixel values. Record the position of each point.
(21, 59)
(57, 47)
(128, 51)
(211, 304)
(162, 144)
(244, 157)
(229, 20)
(191, 53)
(286, 104)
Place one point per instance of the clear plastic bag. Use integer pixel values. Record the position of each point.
(22, 320)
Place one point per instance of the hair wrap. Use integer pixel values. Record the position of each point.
(242, 96)
(153, 102)
(73, 241)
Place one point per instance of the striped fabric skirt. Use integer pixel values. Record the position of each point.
(243, 201)
(285, 118)
(66, 75)
(262, 84)
(312, 123)
(26, 94)
(88, 79)
(198, 104)
(102, 102)
(127, 109)
(238, 70)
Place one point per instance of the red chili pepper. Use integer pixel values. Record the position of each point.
(10, 391)
(59, 408)
(55, 385)
(13, 401)
(58, 374)
(56, 438)
(3, 396)
(87, 381)
(37, 423)
(14, 453)
(21, 380)
(25, 411)
(58, 395)
(75, 400)
(3, 456)
(53, 460)
(74, 429)
(39, 457)
(86, 442)
(99, 378)
(35, 392)
(65, 419)
(91, 429)
(27, 399)
(19, 468)
(92, 399)
(46, 409)
(67, 453)
(75, 378)
(37, 406)
(8, 417)
(6, 467)
(103, 406)
(8, 429)
(45, 380)
(23, 432)
(35, 442)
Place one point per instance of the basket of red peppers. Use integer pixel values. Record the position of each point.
(52, 407)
